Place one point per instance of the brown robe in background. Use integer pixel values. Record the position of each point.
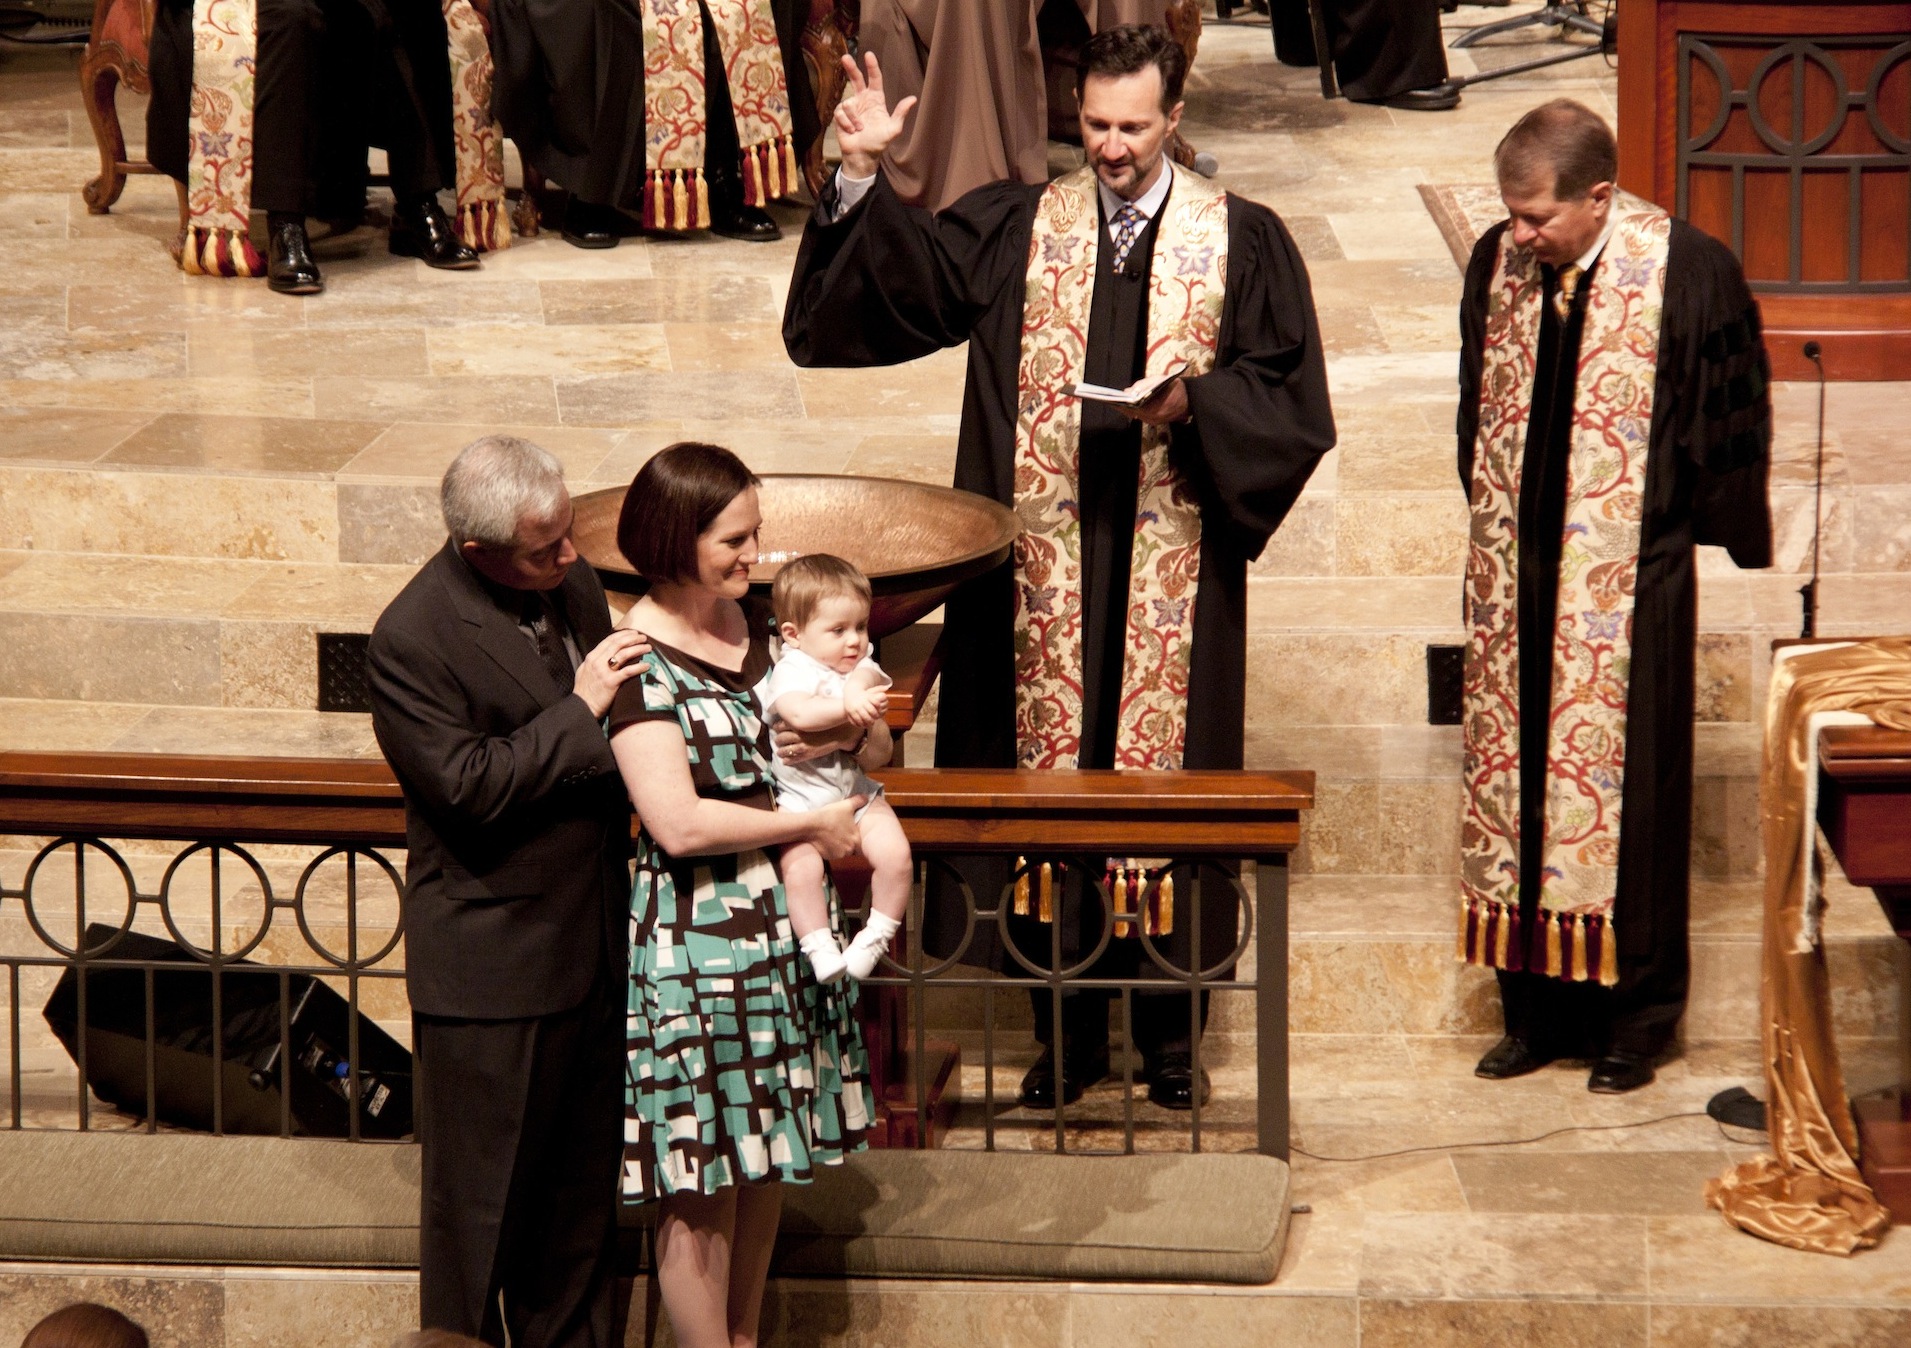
(977, 67)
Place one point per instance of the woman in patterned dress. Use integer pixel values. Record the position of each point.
(744, 1073)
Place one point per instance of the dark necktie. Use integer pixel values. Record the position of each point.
(541, 618)
(1123, 229)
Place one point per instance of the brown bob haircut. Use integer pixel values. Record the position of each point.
(1563, 139)
(1130, 47)
(674, 498)
(85, 1324)
(805, 582)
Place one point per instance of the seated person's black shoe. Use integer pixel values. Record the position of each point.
(588, 225)
(1510, 1058)
(1079, 1072)
(421, 229)
(289, 268)
(752, 224)
(1170, 1081)
(1433, 98)
(1617, 1073)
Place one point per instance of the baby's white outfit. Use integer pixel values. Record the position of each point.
(835, 776)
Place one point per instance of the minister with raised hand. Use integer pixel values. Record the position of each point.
(1118, 639)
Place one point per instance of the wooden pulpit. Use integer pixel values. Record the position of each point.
(1864, 808)
(1784, 130)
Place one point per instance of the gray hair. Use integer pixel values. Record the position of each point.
(495, 483)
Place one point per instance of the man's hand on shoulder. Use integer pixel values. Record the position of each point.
(616, 659)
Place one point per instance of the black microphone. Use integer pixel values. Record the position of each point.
(1808, 592)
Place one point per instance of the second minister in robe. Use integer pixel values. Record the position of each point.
(1118, 639)
(1614, 412)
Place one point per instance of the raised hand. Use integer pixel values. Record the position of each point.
(865, 124)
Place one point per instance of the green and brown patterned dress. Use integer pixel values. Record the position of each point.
(742, 1069)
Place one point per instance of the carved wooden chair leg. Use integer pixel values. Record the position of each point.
(99, 78)
(825, 43)
(525, 217)
(1183, 22)
(177, 246)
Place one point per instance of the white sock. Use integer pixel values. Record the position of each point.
(824, 955)
(871, 944)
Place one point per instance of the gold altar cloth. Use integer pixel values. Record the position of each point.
(1808, 1194)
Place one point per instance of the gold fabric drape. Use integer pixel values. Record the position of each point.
(1808, 1193)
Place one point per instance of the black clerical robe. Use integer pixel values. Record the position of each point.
(889, 283)
(333, 77)
(568, 89)
(1705, 482)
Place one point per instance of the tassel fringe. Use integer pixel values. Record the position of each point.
(769, 171)
(219, 252)
(1579, 947)
(1034, 890)
(677, 199)
(484, 226)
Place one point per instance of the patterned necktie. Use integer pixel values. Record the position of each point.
(540, 618)
(1123, 229)
(1568, 287)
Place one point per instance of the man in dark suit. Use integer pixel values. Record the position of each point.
(489, 673)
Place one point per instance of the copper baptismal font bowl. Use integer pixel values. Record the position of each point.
(915, 542)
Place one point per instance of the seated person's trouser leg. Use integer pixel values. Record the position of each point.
(287, 107)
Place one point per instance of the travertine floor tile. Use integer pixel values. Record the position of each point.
(1503, 1254)
(423, 450)
(563, 352)
(63, 435)
(281, 446)
(662, 299)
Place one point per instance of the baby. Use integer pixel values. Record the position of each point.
(824, 677)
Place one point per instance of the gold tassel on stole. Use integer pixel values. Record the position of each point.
(1120, 892)
(1163, 908)
(680, 199)
(1579, 947)
(1553, 964)
(1608, 955)
(752, 178)
(1503, 930)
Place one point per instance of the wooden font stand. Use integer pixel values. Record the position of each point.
(1864, 807)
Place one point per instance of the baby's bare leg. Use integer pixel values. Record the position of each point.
(803, 889)
(892, 866)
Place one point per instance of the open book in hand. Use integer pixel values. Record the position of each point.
(1134, 395)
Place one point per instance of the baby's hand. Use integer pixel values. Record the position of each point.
(864, 706)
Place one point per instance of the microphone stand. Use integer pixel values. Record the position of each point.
(1808, 592)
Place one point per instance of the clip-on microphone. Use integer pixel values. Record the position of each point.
(1809, 591)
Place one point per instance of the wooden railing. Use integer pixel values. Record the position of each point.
(229, 812)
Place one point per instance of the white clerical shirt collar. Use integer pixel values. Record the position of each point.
(1591, 255)
(1148, 202)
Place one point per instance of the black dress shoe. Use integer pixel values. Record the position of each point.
(1079, 1072)
(1617, 1073)
(289, 268)
(1433, 98)
(1171, 1081)
(1510, 1058)
(588, 225)
(752, 224)
(421, 229)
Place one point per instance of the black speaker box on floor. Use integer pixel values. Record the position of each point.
(252, 1075)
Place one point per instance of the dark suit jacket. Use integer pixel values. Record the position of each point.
(517, 883)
